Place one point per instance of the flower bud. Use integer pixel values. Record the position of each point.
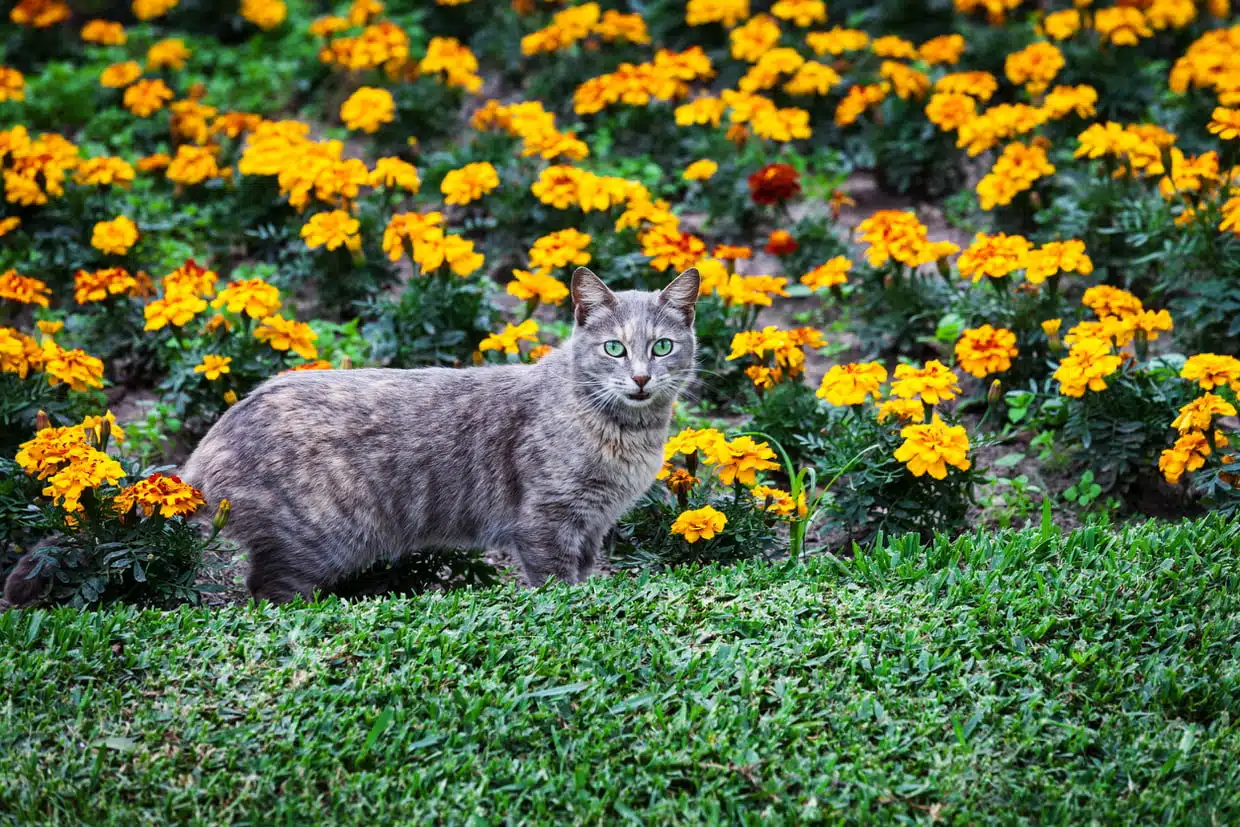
(346, 363)
(42, 421)
(105, 431)
(221, 515)
(995, 393)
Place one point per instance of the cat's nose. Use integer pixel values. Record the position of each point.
(641, 381)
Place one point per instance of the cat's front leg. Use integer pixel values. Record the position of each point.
(548, 551)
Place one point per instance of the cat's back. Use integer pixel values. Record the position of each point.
(363, 416)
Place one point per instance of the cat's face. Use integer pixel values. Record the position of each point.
(633, 349)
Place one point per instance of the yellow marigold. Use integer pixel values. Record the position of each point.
(1225, 123)
(77, 369)
(834, 272)
(409, 226)
(49, 327)
(214, 366)
(457, 63)
(856, 101)
(779, 502)
(1199, 414)
(1058, 257)
(1034, 66)
(703, 110)
(283, 334)
(1062, 100)
(114, 237)
(510, 338)
(800, 12)
(104, 32)
(1188, 454)
(333, 230)
(994, 256)
(393, 172)
(905, 410)
(150, 9)
(700, 170)
(168, 494)
(170, 53)
(8, 225)
(986, 350)
(254, 297)
(1122, 25)
(120, 75)
(317, 364)
(752, 40)
(68, 463)
(191, 278)
(1106, 300)
(266, 14)
(740, 459)
(176, 309)
(837, 41)
(368, 108)
(930, 448)
(851, 384)
(1086, 367)
(560, 249)
(948, 110)
(700, 524)
(24, 289)
(690, 441)
(945, 48)
(907, 82)
(979, 85)
(1210, 371)
(932, 384)
(1051, 327)
(1061, 25)
(668, 247)
(95, 287)
(146, 97)
(727, 12)
(1014, 171)
(469, 183)
(193, 165)
(891, 46)
(104, 171)
(756, 291)
(529, 286)
(19, 353)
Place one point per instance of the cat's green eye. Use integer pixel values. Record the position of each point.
(662, 347)
(613, 348)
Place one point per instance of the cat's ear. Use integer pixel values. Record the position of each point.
(682, 293)
(589, 294)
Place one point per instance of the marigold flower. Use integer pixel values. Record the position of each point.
(907, 82)
(1225, 123)
(114, 237)
(1188, 454)
(266, 14)
(529, 286)
(254, 297)
(283, 334)
(39, 14)
(949, 110)
(1061, 25)
(740, 459)
(1198, 414)
(368, 108)
(469, 183)
(176, 309)
(1034, 66)
(76, 368)
(333, 230)
(49, 327)
(979, 85)
(560, 249)
(193, 165)
(449, 56)
(986, 350)
(781, 243)
(19, 353)
(68, 463)
(690, 441)
(1086, 367)
(834, 272)
(732, 252)
(510, 338)
(150, 9)
(8, 225)
(120, 75)
(104, 32)
(1121, 25)
(752, 40)
(945, 48)
(933, 383)
(393, 172)
(774, 183)
(23, 289)
(700, 170)
(1062, 100)
(851, 384)
(1058, 257)
(680, 481)
(930, 448)
(97, 286)
(146, 97)
(168, 494)
(1210, 371)
(700, 524)
(727, 12)
(170, 53)
(837, 41)
(670, 248)
(994, 256)
(905, 410)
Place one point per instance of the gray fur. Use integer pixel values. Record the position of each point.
(329, 471)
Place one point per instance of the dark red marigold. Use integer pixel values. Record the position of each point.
(781, 243)
(774, 183)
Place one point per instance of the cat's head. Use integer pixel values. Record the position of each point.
(633, 350)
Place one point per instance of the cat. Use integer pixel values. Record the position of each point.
(328, 472)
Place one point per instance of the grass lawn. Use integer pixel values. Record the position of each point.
(1010, 677)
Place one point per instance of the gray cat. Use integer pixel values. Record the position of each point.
(329, 471)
